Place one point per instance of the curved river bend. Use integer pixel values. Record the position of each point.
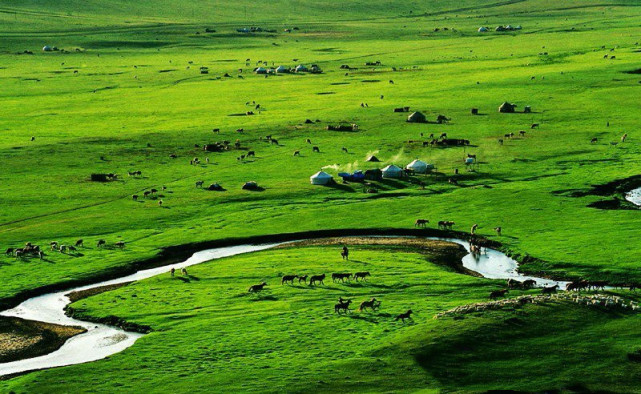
(101, 341)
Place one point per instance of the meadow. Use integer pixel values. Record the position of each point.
(127, 93)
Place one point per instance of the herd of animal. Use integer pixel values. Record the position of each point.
(342, 307)
(31, 250)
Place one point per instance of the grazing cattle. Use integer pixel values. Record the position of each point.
(120, 244)
(316, 149)
(216, 130)
(372, 304)
(534, 125)
(41, 255)
(302, 279)
(54, 245)
(257, 288)
(421, 222)
(274, 141)
(550, 289)
(199, 183)
(160, 203)
(63, 248)
(146, 193)
(9, 251)
(500, 141)
(184, 271)
(308, 141)
(288, 279)
(341, 276)
(134, 197)
(71, 248)
(316, 278)
(296, 153)
(172, 272)
(342, 306)
(594, 140)
(344, 150)
(251, 153)
(80, 243)
(522, 133)
(101, 242)
(498, 293)
(361, 275)
(18, 253)
(403, 316)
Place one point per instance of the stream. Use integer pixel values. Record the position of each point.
(101, 341)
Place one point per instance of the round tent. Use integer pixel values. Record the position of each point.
(282, 69)
(482, 29)
(320, 178)
(260, 70)
(419, 166)
(417, 117)
(47, 48)
(301, 68)
(392, 171)
(373, 159)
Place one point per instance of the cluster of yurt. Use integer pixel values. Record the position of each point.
(389, 172)
(419, 167)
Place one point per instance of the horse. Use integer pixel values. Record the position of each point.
(342, 306)
(403, 316)
(373, 304)
(341, 276)
(421, 222)
(303, 279)
(316, 149)
(594, 140)
(120, 244)
(345, 253)
(550, 289)
(101, 242)
(80, 243)
(316, 278)
(498, 293)
(529, 283)
(184, 271)
(288, 278)
(257, 288)
(199, 183)
(361, 275)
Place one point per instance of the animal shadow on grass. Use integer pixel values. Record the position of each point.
(183, 278)
(264, 297)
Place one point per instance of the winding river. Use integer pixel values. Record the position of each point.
(634, 196)
(101, 341)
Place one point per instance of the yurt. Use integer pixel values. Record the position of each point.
(419, 166)
(373, 159)
(482, 29)
(392, 171)
(507, 108)
(282, 69)
(417, 117)
(47, 48)
(320, 178)
(300, 68)
(260, 70)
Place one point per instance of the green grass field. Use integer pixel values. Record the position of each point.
(127, 93)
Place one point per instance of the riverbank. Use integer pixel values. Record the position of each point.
(21, 339)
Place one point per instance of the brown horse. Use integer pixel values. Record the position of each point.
(361, 275)
(288, 278)
(257, 288)
(317, 278)
(373, 304)
(421, 222)
(403, 316)
(498, 293)
(342, 306)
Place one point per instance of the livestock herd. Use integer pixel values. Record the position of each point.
(343, 305)
(31, 250)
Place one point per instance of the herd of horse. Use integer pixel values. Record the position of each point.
(342, 307)
(31, 250)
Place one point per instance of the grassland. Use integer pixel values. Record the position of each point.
(138, 96)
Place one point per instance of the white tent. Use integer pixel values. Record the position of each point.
(282, 69)
(301, 68)
(47, 48)
(392, 171)
(482, 29)
(320, 178)
(419, 166)
(260, 70)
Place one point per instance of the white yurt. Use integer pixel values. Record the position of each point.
(282, 69)
(320, 178)
(301, 68)
(482, 29)
(47, 48)
(419, 166)
(392, 171)
(260, 70)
